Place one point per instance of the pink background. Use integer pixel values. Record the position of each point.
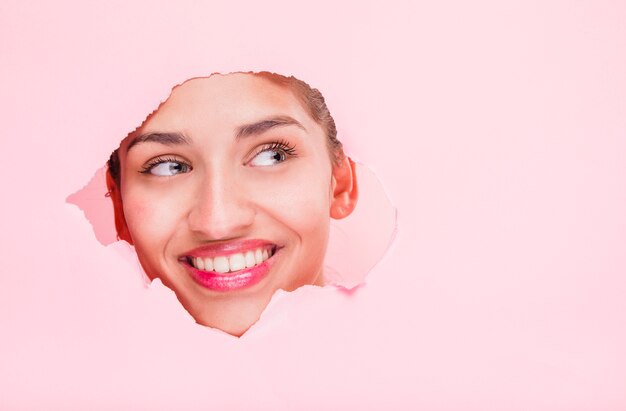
(497, 128)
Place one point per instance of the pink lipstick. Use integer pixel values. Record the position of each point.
(230, 266)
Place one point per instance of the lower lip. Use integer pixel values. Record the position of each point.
(231, 281)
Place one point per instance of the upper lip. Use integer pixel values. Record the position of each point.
(228, 247)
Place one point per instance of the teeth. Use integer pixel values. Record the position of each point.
(250, 260)
(220, 264)
(234, 262)
(237, 262)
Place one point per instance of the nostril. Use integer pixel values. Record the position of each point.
(219, 218)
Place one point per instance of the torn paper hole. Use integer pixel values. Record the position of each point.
(236, 187)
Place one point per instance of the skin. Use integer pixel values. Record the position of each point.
(231, 190)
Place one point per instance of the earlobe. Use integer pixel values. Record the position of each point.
(118, 209)
(345, 189)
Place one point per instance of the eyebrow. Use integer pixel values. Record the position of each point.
(243, 131)
(168, 139)
(262, 126)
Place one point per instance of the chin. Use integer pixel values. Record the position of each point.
(235, 309)
(233, 314)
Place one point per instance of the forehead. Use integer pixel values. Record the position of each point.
(225, 100)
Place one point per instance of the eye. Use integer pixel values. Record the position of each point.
(268, 158)
(272, 154)
(166, 167)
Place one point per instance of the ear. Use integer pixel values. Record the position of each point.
(345, 189)
(118, 209)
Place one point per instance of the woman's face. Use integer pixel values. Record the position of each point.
(226, 193)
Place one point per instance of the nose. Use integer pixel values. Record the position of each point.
(221, 209)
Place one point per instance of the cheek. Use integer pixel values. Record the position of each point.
(150, 217)
(298, 197)
(298, 206)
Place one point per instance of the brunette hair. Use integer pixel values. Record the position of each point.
(311, 99)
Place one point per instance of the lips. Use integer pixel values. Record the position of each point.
(230, 266)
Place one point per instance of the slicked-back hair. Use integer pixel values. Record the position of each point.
(311, 99)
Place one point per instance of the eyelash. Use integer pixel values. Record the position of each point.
(280, 145)
(160, 160)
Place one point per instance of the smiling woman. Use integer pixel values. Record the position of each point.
(227, 191)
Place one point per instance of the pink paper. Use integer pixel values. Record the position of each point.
(496, 130)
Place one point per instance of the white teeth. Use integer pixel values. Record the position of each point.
(208, 264)
(250, 260)
(237, 262)
(220, 264)
(233, 262)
